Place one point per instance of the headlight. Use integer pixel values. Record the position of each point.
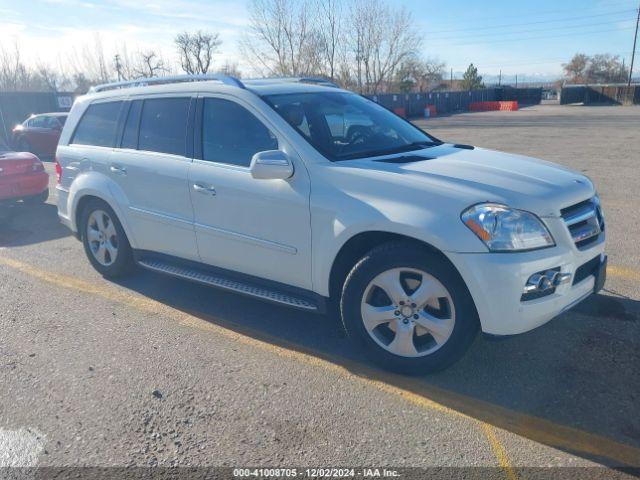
(504, 229)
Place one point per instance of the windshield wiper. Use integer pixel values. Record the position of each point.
(390, 151)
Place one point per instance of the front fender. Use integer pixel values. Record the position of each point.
(433, 230)
(98, 185)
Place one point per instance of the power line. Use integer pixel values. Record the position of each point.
(539, 61)
(559, 27)
(555, 20)
(511, 40)
(538, 13)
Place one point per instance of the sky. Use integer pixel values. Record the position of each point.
(528, 38)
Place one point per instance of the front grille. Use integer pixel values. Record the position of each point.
(586, 269)
(584, 221)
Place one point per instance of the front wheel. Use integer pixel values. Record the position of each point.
(409, 308)
(104, 240)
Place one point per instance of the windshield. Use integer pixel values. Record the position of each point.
(345, 126)
(3, 146)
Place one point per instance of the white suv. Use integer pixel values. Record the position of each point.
(300, 193)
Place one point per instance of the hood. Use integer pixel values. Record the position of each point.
(481, 175)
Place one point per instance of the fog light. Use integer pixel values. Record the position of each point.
(544, 283)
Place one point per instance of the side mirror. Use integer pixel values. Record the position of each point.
(271, 165)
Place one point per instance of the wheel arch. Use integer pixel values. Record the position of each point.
(361, 243)
(89, 186)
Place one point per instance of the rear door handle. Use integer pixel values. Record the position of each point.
(117, 169)
(207, 190)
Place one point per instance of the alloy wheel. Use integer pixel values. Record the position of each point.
(102, 237)
(408, 312)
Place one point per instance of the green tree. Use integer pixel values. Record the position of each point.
(471, 80)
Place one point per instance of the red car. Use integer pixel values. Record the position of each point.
(39, 134)
(22, 177)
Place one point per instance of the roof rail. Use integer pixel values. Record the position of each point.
(315, 80)
(143, 82)
(319, 81)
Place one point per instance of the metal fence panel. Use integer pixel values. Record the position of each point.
(592, 94)
(15, 107)
(455, 101)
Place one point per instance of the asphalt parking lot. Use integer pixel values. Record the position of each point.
(156, 371)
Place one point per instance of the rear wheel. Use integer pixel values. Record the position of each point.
(105, 241)
(38, 199)
(409, 308)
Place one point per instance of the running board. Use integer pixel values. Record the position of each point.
(236, 286)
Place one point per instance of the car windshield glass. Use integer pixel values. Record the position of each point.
(3, 146)
(345, 126)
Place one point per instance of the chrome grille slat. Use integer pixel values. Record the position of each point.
(584, 221)
(584, 213)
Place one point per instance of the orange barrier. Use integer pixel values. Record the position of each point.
(400, 111)
(509, 106)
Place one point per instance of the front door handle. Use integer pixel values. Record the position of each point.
(207, 190)
(118, 170)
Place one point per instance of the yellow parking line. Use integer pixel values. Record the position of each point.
(499, 451)
(624, 272)
(418, 393)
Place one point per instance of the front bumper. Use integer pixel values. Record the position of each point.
(496, 282)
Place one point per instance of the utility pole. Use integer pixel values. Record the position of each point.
(516, 80)
(500, 78)
(633, 52)
(118, 66)
(451, 81)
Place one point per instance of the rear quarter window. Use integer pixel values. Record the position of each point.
(98, 125)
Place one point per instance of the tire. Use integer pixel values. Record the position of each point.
(37, 199)
(113, 241)
(416, 339)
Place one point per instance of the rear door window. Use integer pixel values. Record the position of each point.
(163, 125)
(98, 125)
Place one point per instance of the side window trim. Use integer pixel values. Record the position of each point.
(133, 103)
(122, 121)
(197, 128)
(191, 120)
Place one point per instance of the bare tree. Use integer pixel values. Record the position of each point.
(230, 69)
(381, 39)
(599, 68)
(576, 69)
(416, 74)
(14, 75)
(149, 65)
(50, 79)
(330, 29)
(196, 50)
(606, 68)
(279, 40)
